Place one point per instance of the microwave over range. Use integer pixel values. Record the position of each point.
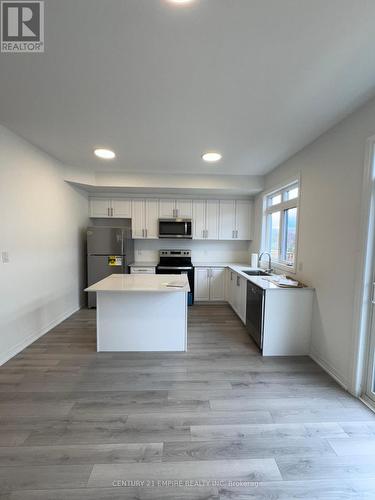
(175, 228)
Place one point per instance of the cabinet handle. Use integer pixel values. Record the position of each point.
(112, 212)
(233, 234)
(146, 233)
(109, 212)
(143, 233)
(206, 233)
(236, 233)
(373, 293)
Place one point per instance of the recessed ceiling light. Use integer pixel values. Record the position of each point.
(105, 154)
(180, 2)
(211, 156)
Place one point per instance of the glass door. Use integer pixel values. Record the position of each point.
(370, 384)
(371, 360)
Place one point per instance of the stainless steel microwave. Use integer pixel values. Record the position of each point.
(175, 228)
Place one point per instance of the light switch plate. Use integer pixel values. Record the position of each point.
(5, 257)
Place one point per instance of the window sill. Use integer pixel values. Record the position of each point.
(277, 266)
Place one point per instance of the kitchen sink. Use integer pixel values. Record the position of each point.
(257, 273)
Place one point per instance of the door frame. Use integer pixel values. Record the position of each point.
(362, 317)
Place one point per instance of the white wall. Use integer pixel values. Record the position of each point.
(202, 251)
(331, 173)
(41, 224)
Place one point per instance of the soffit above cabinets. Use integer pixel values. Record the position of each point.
(167, 185)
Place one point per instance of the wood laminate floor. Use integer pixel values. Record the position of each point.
(220, 420)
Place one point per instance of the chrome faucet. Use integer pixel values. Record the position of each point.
(269, 270)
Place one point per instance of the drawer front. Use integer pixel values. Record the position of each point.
(142, 270)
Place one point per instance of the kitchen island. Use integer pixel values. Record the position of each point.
(141, 312)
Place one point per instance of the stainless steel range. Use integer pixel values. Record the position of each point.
(177, 262)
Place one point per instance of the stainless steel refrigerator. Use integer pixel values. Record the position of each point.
(110, 250)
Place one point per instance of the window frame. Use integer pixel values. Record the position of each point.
(281, 207)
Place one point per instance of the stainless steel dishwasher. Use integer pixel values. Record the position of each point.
(255, 313)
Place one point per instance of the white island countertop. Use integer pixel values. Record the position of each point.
(142, 283)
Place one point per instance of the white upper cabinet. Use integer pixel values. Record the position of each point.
(235, 220)
(227, 220)
(243, 220)
(121, 207)
(145, 219)
(169, 209)
(184, 209)
(199, 219)
(152, 219)
(117, 207)
(100, 207)
(206, 219)
(138, 219)
(212, 219)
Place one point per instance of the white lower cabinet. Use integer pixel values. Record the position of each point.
(201, 284)
(237, 293)
(209, 284)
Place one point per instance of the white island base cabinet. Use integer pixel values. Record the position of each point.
(140, 312)
(141, 321)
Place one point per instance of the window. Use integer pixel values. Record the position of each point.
(281, 217)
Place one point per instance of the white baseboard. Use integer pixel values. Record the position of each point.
(36, 335)
(330, 370)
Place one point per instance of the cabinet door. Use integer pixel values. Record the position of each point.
(243, 220)
(237, 294)
(199, 219)
(231, 287)
(242, 300)
(184, 209)
(167, 209)
(227, 220)
(100, 207)
(212, 220)
(122, 208)
(138, 219)
(201, 284)
(217, 283)
(152, 219)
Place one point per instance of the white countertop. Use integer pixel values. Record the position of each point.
(141, 283)
(220, 264)
(257, 280)
(143, 264)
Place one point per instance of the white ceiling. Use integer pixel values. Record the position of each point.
(160, 84)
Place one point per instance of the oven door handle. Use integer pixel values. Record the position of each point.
(170, 268)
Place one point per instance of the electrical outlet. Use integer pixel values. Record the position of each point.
(5, 257)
